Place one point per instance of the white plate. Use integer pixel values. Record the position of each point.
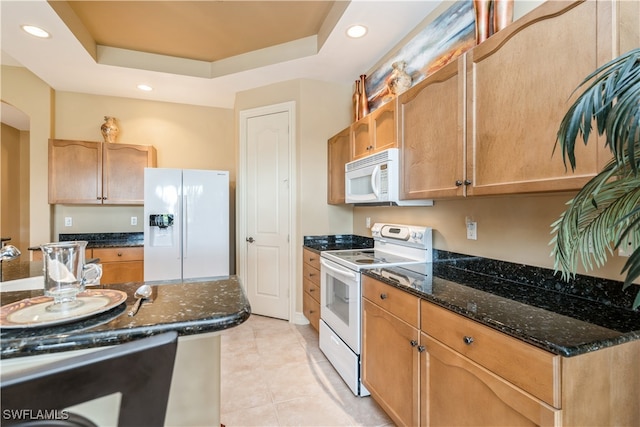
(32, 312)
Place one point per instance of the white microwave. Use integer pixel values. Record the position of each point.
(375, 179)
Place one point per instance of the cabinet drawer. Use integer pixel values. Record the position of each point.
(310, 273)
(122, 272)
(119, 254)
(311, 258)
(311, 288)
(311, 310)
(530, 368)
(397, 302)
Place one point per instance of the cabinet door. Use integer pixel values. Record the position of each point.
(390, 363)
(360, 138)
(121, 265)
(384, 128)
(431, 135)
(457, 392)
(123, 172)
(339, 154)
(75, 172)
(520, 83)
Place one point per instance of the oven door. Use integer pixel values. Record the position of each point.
(340, 302)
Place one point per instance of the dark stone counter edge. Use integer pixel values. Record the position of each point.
(488, 321)
(103, 240)
(92, 339)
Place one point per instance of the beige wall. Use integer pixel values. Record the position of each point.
(510, 228)
(22, 89)
(185, 136)
(10, 186)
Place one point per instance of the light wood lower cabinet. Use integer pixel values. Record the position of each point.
(433, 367)
(458, 392)
(390, 337)
(120, 265)
(311, 287)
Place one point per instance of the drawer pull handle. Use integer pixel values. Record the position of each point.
(311, 290)
(414, 343)
(467, 340)
(421, 348)
(383, 296)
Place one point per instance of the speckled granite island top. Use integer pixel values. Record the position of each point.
(188, 307)
(563, 318)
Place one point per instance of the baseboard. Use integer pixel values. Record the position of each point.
(299, 319)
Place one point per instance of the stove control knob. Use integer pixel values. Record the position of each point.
(419, 236)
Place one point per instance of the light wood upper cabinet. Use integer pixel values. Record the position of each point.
(75, 172)
(84, 172)
(339, 154)
(123, 172)
(519, 83)
(376, 132)
(431, 135)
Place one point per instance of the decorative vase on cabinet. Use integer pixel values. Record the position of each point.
(110, 129)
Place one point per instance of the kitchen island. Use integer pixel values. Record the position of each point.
(197, 309)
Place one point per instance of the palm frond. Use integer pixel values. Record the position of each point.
(606, 212)
(612, 87)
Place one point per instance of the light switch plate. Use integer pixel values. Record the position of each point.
(68, 221)
(134, 220)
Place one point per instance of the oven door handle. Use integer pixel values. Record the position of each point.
(343, 272)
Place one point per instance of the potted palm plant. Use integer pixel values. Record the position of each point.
(606, 211)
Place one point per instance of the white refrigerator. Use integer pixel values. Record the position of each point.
(186, 223)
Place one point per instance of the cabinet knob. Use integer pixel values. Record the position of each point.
(467, 340)
(383, 296)
(421, 348)
(414, 343)
(458, 183)
(119, 253)
(312, 290)
(467, 182)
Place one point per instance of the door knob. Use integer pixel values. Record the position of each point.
(250, 239)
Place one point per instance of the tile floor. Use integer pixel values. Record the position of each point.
(274, 374)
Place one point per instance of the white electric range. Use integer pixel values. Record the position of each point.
(395, 245)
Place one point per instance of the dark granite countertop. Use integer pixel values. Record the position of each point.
(337, 242)
(18, 269)
(531, 304)
(189, 307)
(103, 240)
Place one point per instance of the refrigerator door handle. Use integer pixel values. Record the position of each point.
(185, 229)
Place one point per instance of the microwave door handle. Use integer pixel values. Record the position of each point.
(374, 180)
(347, 273)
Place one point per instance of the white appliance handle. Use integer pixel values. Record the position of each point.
(338, 270)
(185, 234)
(374, 180)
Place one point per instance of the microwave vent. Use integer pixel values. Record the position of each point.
(374, 159)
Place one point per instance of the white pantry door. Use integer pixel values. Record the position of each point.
(267, 214)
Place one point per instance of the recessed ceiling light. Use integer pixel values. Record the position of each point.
(36, 31)
(144, 87)
(356, 31)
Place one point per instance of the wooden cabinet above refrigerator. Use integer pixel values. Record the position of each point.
(86, 172)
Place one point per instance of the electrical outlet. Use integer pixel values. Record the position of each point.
(472, 230)
(134, 220)
(68, 221)
(367, 222)
(626, 247)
